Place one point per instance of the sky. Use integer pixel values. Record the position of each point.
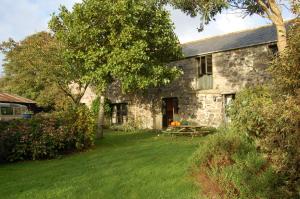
(20, 18)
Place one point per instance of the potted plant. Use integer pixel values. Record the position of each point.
(184, 122)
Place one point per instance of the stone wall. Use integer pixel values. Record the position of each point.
(236, 69)
(232, 70)
(88, 97)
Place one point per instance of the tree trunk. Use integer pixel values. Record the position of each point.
(277, 19)
(273, 12)
(281, 36)
(100, 122)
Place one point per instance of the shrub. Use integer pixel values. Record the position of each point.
(267, 119)
(96, 105)
(273, 123)
(129, 125)
(247, 111)
(271, 116)
(285, 69)
(46, 136)
(231, 163)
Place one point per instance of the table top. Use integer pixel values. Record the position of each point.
(187, 126)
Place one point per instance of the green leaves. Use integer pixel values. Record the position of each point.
(127, 41)
(47, 136)
(271, 116)
(31, 66)
(286, 68)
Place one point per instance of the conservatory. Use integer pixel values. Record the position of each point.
(14, 107)
(10, 111)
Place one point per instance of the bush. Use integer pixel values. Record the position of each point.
(46, 136)
(273, 123)
(271, 116)
(233, 167)
(96, 105)
(285, 69)
(247, 111)
(129, 125)
(268, 121)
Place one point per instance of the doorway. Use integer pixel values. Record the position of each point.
(169, 109)
(228, 99)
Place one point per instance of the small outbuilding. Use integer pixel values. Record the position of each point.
(14, 107)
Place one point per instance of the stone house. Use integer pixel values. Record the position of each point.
(214, 70)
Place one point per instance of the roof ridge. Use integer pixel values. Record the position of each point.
(232, 33)
(17, 97)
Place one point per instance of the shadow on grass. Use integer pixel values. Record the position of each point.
(120, 138)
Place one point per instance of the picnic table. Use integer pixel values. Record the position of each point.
(187, 130)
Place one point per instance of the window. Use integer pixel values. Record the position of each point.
(204, 65)
(7, 111)
(19, 110)
(119, 113)
(273, 48)
(204, 70)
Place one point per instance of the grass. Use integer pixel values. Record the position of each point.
(229, 166)
(123, 165)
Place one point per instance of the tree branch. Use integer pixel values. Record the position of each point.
(82, 92)
(66, 92)
(274, 8)
(265, 8)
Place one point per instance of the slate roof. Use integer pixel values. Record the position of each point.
(9, 98)
(236, 40)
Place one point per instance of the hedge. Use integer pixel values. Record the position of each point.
(46, 136)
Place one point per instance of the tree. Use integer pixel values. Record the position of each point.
(130, 41)
(35, 68)
(285, 69)
(270, 9)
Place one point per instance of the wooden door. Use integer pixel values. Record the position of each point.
(169, 109)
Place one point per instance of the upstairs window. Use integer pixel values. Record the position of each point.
(204, 70)
(204, 65)
(273, 48)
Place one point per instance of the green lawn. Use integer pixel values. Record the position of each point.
(123, 165)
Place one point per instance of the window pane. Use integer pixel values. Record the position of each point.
(124, 109)
(203, 65)
(199, 67)
(119, 113)
(18, 111)
(209, 64)
(273, 48)
(7, 111)
(114, 114)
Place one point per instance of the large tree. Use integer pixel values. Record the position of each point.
(36, 68)
(129, 41)
(270, 9)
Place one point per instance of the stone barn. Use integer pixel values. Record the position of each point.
(215, 69)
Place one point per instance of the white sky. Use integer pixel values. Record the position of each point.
(20, 18)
